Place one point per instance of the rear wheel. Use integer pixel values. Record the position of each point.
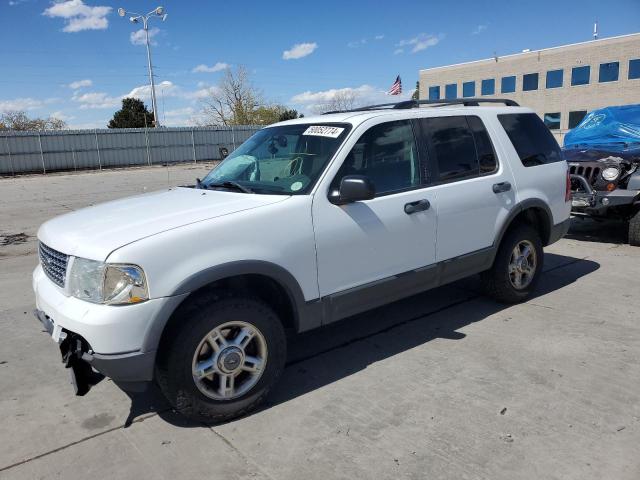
(224, 360)
(634, 230)
(517, 266)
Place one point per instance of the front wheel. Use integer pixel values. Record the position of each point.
(634, 230)
(224, 360)
(517, 266)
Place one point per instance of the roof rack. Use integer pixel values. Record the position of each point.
(407, 104)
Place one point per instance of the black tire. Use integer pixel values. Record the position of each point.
(497, 282)
(197, 319)
(634, 230)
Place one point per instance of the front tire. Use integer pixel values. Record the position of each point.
(634, 230)
(517, 266)
(224, 359)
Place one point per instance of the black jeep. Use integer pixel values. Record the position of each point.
(603, 154)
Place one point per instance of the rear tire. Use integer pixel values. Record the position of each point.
(517, 266)
(224, 359)
(634, 230)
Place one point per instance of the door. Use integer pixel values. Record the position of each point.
(376, 240)
(475, 191)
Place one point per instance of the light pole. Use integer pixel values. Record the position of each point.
(136, 18)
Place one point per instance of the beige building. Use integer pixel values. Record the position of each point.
(561, 83)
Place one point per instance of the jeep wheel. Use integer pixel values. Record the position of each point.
(634, 230)
(517, 266)
(224, 360)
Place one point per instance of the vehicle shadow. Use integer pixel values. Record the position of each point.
(328, 354)
(603, 231)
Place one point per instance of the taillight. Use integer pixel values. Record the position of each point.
(567, 192)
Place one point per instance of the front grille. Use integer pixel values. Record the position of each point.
(53, 263)
(588, 172)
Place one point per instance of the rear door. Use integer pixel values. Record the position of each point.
(475, 190)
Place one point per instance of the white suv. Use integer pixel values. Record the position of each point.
(308, 222)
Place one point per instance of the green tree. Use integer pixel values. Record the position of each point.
(289, 114)
(133, 114)
(416, 93)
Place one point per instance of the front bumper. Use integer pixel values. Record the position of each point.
(118, 341)
(596, 202)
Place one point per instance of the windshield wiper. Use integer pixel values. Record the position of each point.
(231, 185)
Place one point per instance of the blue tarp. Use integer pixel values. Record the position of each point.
(612, 129)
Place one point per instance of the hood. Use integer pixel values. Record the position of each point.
(95, 232)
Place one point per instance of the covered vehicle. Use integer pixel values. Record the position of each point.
(603, 153)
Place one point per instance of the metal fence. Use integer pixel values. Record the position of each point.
(25, 152)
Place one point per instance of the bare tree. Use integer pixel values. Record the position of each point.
(18, 120)
(342, 100)
(234, 101)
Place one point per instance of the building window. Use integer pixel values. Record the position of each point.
(451, 91)
(469, 89)
(508, 84)
(552, 120)
(634, 68)
(434, 92)
(488, 86)
(529, 82)
(609, 72)
(580, 75)
(554, 78)
(576, 117)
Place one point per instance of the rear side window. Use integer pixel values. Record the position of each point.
(459, 147)
(531, 138)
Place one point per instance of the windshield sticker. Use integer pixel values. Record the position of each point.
(296, 186)
(323, 131)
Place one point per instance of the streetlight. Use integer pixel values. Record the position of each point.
(136, 18)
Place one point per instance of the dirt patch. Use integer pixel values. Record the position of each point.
(13, 238)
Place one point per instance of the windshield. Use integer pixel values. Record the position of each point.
(283, 160)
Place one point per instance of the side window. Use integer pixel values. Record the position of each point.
(387, 155)
(531, 138)
(452, 147)
(484, 147)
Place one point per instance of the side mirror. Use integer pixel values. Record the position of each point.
(353, 188)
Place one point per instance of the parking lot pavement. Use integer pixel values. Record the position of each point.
(446, 384)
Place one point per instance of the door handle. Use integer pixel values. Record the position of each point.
(419, 206)
(501, 187)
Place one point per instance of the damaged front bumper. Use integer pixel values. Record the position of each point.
(590, 202)
(131, 371)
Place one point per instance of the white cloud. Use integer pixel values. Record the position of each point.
(62, 116)
(166, 88)
(91, 100)
(363, 95)
(27, 103)
(80, 84)
(479, 29)
(398, 51)
(357, 43)
(138, 37)
(379, 37)
(420, 42)
(78, 16)
(202, 68)
(299, 50)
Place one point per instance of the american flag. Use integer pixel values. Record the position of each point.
(396, 88)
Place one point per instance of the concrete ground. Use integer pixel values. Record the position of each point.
(446, 384)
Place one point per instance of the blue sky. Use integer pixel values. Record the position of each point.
(76, 59)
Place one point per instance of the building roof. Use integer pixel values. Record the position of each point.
(530, 52)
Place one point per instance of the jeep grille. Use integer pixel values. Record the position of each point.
(590, 173)
(53, 263)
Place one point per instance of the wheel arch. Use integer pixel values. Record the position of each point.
(265, 280)
(532, 211)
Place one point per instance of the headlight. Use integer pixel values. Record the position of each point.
(610, 173)
(112, 284)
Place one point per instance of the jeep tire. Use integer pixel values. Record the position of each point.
(634, 230)
(517, 266)
(223, 359)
